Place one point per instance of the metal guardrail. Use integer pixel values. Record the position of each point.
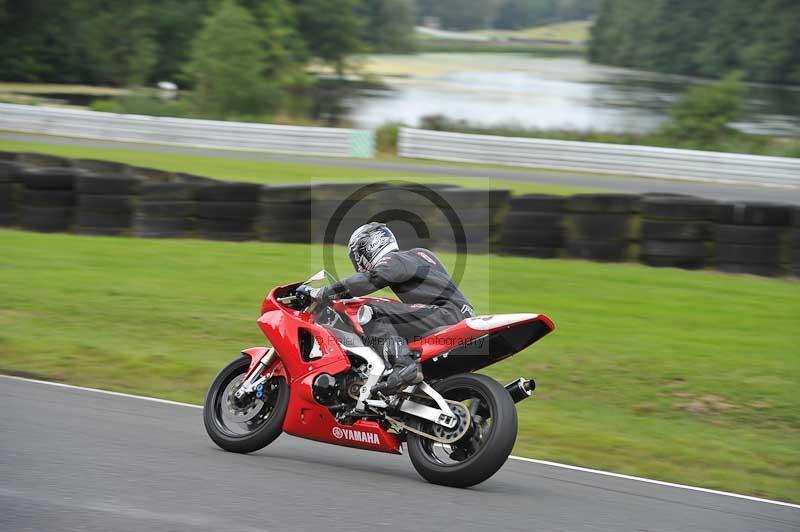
(187, 132)
(619, 159)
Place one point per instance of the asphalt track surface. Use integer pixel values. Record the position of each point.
(717, 191)
(73, 459)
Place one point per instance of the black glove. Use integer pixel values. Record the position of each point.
(324, 294)
(308, 292)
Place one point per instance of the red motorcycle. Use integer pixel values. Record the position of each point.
(317, 379)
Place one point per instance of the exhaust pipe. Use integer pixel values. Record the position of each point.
(521, 389)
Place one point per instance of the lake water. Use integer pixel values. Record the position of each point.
(547, 93)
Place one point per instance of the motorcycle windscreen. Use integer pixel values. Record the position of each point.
(485, 350)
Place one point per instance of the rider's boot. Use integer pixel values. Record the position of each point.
(406, 369)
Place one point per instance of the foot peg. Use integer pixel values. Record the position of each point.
(401, 377)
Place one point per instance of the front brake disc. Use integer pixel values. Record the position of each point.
(239, 414)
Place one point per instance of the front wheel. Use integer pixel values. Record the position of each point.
(250, 424)
(485, 446)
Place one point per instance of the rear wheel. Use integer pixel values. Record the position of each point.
(249, 424)
(488, 440)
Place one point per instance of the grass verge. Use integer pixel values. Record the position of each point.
(682, 376)
(271, 172)
(577, 31)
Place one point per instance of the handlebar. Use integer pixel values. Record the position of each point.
(298, 300)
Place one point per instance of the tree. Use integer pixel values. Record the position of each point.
(286, 53)
(227, 64)
(701, 116)
(465, 14)
(517, 14)
(118, 42)
(174, 25)
(332, 29)
(701, 37)
(37, 42)
(388, 25)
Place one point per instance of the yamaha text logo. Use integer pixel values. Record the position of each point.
(356, 435)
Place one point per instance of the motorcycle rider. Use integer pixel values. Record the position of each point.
(430, 298)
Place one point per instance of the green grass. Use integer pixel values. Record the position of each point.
(499, 47)
(59, 88)
(266, 171)
(687, 377)
(565, 38)
(38, 93)
(574, 31)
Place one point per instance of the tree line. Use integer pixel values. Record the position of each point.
(143, 41)
(701, 37)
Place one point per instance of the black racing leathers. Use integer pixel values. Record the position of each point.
(430, 298)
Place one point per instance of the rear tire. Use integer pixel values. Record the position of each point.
(266, 426)
(495, 447)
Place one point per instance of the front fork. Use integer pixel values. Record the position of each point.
(254, 379)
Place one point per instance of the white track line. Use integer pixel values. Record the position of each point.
(107, 392)
(520, 458)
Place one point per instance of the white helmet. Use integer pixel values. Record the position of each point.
(370, 243)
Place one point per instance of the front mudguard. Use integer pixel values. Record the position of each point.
(275, 367)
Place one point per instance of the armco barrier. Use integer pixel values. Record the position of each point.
(666, 229)
(187, 132)
(645, 161)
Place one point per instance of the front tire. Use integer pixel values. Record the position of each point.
(247, 427)
(486, 446)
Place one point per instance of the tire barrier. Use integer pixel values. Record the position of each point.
(533, 226)
(48, 199)
(10, 192)
(40, 160)
(676, 231)
(227, 211)
(285, 214)
(667, 230)
(411, 210)
(750, 238)
(96, 166)
(469, 220)
(600, 226)
(336, 210)
(105, 203)
(151, 175)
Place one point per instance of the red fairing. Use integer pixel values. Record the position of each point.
(304, 350)
(305, 417)
(350, 308)
(275, 368)
(308, 419)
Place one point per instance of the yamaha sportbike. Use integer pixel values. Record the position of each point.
(316, 381)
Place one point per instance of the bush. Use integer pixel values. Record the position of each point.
(702, 114)
(141, 104)
(670, 136)
(386, 137)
